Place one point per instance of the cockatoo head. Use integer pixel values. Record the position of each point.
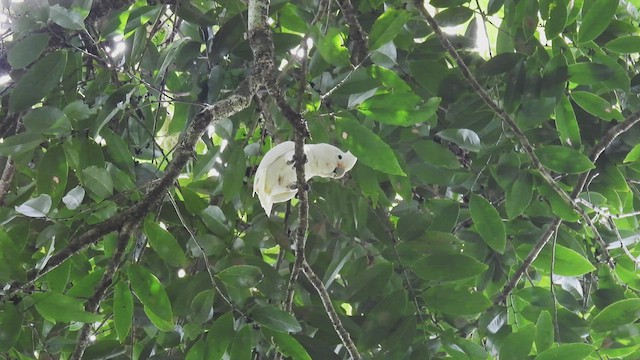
(331, 161)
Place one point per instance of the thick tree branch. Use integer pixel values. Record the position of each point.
(5, 179)
(360, 48)
(183, 152)
(93, 304)
(512, 125)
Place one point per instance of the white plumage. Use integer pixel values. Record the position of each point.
(275, 179)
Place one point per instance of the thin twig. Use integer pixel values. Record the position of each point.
(331, 311)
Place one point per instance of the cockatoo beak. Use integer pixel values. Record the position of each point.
(338, 172)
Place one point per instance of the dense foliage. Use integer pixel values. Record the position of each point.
(492, 212)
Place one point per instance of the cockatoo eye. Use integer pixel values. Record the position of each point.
(340, 157)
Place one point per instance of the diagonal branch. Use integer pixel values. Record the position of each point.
(331, 311)
(93, 304)
(604, 143)
(360, 48)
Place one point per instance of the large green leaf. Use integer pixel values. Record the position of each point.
(387, 26)
(275, 319)
(617, 314)
(10, 322)
(122, 310)
(398, 109)
(596, 106)
(360, 140)
(58, 307)
(152, 295)
(27, 50)
(563, 159)
(465, 138)
(331, 46)
(557, 19)
(447, 267)
(596, 20)
(517, 345)
(287, 345)
(545, 331)
(164, 243)
(519, 195)
(241, 276)
(588, 73)
(625, 44)
(567, 124)
(567, 261)
(38, 81)
(488, 223)
(567, 351)
(455, 301)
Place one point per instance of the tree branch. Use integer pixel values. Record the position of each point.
(331, 311)
(604, 143)
(93, 304)
(513, 126)
(357, 35)
(5, 179)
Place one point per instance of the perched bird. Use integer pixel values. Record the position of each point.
(275, 179)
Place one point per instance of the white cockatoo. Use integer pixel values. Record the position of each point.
(275, 179)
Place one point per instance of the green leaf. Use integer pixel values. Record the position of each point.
(624, 44)
(400, 109)
(58, 307)
(331, 46)
(567, 261)
(150, 291)
(241, 346)
(11, 267)
(617, 314)
(455, 301)
(567, 124)
(234, 173)
(518, 345)
(557, 19)
(519, 195)
(52, 174)
(596, 20)
(567, 351)
(436, 154)
(360, 140)
(38, 81)
(215, 220)
(10, 323)
(544, 335)
(219, 337)
(588, 73)
(20, 143)
(453, 16)
(35, 208)
(67, 18)
(117, 149)
(287, 345)
(241, 276)
(488, 223)
(27, 50)
(465, 138)
(370, 282)
(275, 319)
(447, 267)
(122, 310)
(563, 159)
(633, 155)
(98, 181)
(501, 63)
(559, 206)
(387, 26)
(164, 244)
